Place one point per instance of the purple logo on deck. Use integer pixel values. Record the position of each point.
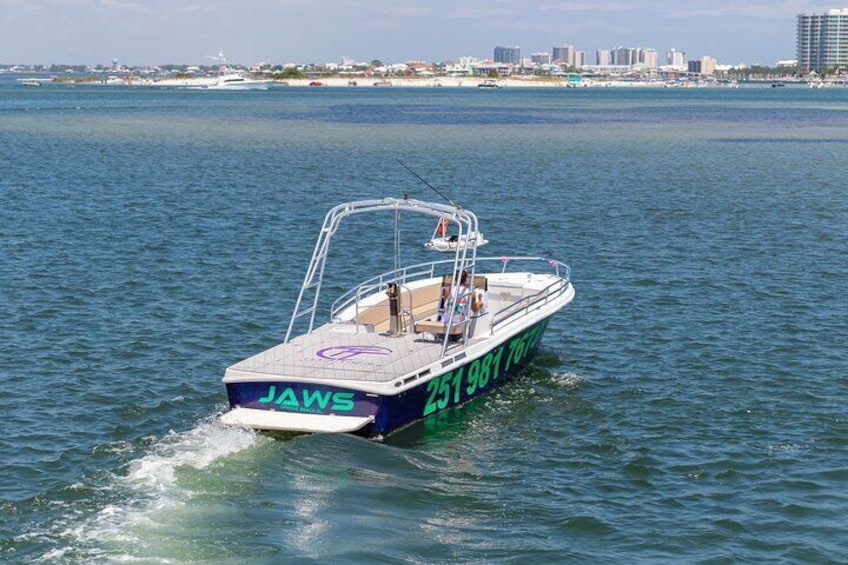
(347, 352)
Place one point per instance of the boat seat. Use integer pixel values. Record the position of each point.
(374, 316)
(419, 304)
(437, 328)
(434, 325)
(480, 281)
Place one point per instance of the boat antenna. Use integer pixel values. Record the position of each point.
(433, 188)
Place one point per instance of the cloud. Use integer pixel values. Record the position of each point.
(150, 31)
(591, 7)
(482, 13)
(693, 9)
(410, 11)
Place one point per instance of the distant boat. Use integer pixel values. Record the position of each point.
(489, 83)
(383, 83)
(236, 81)
(29, 82)
(777, 85)
(231, 80)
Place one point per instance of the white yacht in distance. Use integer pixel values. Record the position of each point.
(237, 81)
(231, 80)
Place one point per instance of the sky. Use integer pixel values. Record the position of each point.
(158, 32)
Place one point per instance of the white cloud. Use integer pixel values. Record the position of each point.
(156, 31)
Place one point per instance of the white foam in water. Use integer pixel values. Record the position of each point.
(195, 448)
(569, 380)
(150, 487)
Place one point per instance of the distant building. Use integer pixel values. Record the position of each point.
(564, 54)
(675, 58)
(541, 58)
(511, 55)
(484, 68)
(694, 67)
(603, 58)
(624, 56)
(705, 66)
(822, 40)
(648, 58)
(579, 59)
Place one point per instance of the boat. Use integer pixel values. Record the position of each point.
(29, 82)
(441, 241)
(229, 79)
(403, 345)
(489, 83)
(237, 81)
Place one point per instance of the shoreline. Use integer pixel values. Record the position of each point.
(203, 83)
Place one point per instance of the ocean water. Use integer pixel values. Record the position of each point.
(689, 406)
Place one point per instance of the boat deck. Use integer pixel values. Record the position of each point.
(345, 352)
(365, 351)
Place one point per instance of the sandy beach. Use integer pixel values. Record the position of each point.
(370, 82)
(419, 82)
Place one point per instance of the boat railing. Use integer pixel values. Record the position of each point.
(401, 276)
(404, 275)
(523, 305)
(561, 269)
(550, 292)
(362, 291)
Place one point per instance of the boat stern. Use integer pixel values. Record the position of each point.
(299, 407)
(294, 422)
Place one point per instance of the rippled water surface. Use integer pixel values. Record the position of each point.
(690, 405)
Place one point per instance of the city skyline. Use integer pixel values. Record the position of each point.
(284, 31)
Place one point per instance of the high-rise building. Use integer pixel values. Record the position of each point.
(579, 59)
(705, 66)
(603, 57)
(540, 58)
(511, 55)
(564, 55)
(624, 56)
(822, 40)
(648, 58)
(675, 58)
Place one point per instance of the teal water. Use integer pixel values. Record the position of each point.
(689, 406)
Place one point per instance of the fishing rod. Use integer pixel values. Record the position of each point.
(433, 188)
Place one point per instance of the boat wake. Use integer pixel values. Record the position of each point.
(196, 448)
(567, 380)
(145, 505)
